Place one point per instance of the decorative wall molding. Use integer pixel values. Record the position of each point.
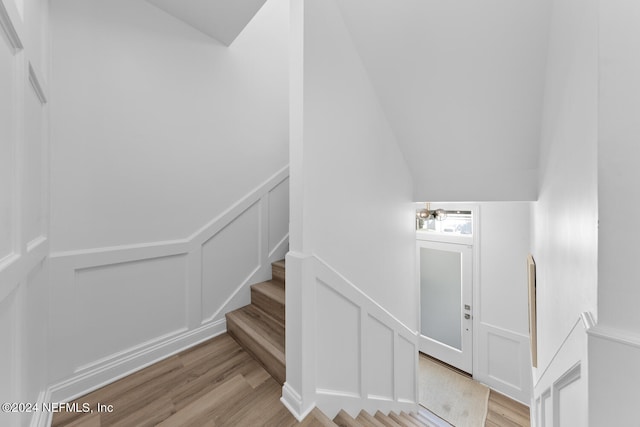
(568, 366)
(37, 84)
(503, 360)
(614, 335)
(10, 24)
(75, 374)
(323, 288)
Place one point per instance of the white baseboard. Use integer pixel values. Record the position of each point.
(293, 402)
(93, 379)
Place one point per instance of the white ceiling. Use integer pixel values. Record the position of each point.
(223, 20)
(461, 82)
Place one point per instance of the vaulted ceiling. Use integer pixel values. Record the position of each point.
(461, 82)
(220, 19)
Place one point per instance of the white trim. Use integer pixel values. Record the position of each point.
(125, 364)
(82, 378)
(293, 402)
(615, 335)
(586, 318)
(41, 418)
(573, 374)
(37, 85)
(9, 25)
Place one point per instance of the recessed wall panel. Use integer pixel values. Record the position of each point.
(33, 166)
(229, 258)
(338, 342)
(123, 305)
(35, 321)
(504, 359)
(278, 214)
(406, 371)
(7, 162)
(571, 405)
(379, 359)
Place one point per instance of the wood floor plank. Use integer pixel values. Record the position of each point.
(150, 415)
(90, 420)
(261, 403)
(205, 408)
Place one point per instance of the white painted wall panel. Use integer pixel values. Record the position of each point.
(547, 410)
(338, 342)
(124, 305)
(8, 392)
(278, 214)
(504, 355)
(378, 359)
(35, 323)
(7, 144)
(504, 362)
(229, 258)
(571, 409)
(33, 166)
(407, 375)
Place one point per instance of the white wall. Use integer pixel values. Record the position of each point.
(351, 214)
(156, 127)
(565, 217)
(502, 358)
(24, 199)
(169, 182)
(614, 347)
(461, 83)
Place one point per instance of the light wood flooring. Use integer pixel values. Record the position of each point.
(214, 384)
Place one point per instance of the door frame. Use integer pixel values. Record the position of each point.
(474, 241)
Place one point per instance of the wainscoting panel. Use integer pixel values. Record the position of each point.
(35, 153)
(569, 398)
(406, 372)
(278, 215)
(35, 319)
(378, 359)
(338, 328)
(116, 310)
(503, 361)
(7, 149)
(229, 259)
(561, 387)
(24, 214)
(354, 355)
(149, 294)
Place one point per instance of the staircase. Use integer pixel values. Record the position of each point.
(259, 329)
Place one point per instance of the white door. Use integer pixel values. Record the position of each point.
(446, 328)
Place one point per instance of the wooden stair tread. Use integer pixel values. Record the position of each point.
(343, 419)
(369, 420)
(261, 326)
(261, 336)
(278, 271)
(272, 289)
(386, 420)
(410, 421)
(317, 418)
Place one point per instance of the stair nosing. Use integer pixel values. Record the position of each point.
(248, 328)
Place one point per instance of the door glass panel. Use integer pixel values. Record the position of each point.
(441, 294)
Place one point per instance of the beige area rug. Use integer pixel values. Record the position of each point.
(454, 398)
